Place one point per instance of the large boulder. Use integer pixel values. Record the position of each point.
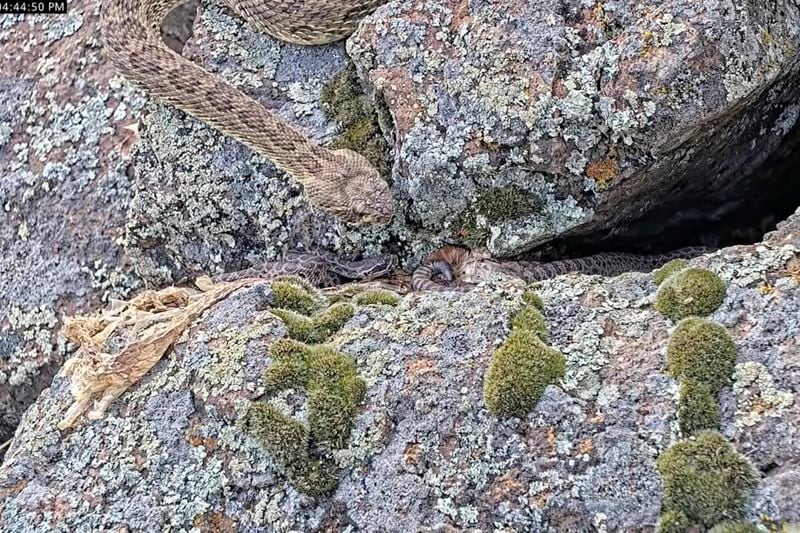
(425, 454)
(65, 134)
(519, 121)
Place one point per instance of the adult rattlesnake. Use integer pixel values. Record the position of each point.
(339, 182)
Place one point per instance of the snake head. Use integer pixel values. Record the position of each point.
(365, 194)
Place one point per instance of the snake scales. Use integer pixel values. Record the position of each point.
(339, 182)
(451, 261)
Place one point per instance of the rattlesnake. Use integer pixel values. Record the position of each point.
(451, 262)
(339, 182)
(320, 268)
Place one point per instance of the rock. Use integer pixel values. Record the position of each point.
(65, 131)
(425, 454)
(520, 121)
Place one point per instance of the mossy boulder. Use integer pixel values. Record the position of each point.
(690, 292)
(703, 352)
(706, 479)
(519, 372)
(669, 268)
(698, 409)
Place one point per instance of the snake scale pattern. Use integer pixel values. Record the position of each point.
(448, 262)
(339, 182)
(320, 268)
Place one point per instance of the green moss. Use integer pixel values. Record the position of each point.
(531, 298)
(673, 522)
(287, 441)
(735, 527)
(706, 479)
(331, 380)
(294, 297)
(519, 372)
(345, 295)
(670, 268)
(703, 352)
(334, 390)
(496, 206)
(297, 280)
(698, 409)
(506, 203)
(356, 114)
(530, 318)
(690, 292)
(318, 328)
(377, 297)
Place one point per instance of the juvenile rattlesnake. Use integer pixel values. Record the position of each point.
(451, 262)
(339, 182)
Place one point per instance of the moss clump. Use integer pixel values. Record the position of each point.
(673, 522)
(531, 298)
(496, 206)
(668, 269)
(356, 114)
(703, 352)
(735, 527)
(697, 408)
(294, 297)
(519, 372)
(345, 295)
(531, 319)
(706, 479)
(690, 292)
(318, 328)
(287, 440)
(331, 380)
(377, 297)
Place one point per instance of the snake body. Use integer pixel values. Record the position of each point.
(339, 182)
(322, 269)
(458, 261)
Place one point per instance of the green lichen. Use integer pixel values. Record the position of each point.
(703, 352)
(294, 297)
(690, 292)
(356, 114)
(519, 372)
(670, 268)
(287, 441)
(673, 522)
(318, 328)
(698, 409)
(706, 479)
(331, 380)
(531, 319)
(735, 527)
(377, 297)
(531, 298)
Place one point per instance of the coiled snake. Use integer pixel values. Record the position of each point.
(339, 182)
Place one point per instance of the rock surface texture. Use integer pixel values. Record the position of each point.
(589, 113)
(425, 455)
(64, 140)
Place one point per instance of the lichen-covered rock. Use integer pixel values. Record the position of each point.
(66, 126)
(584, 114)
(424, 453)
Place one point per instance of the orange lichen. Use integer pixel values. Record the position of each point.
(602, 171)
